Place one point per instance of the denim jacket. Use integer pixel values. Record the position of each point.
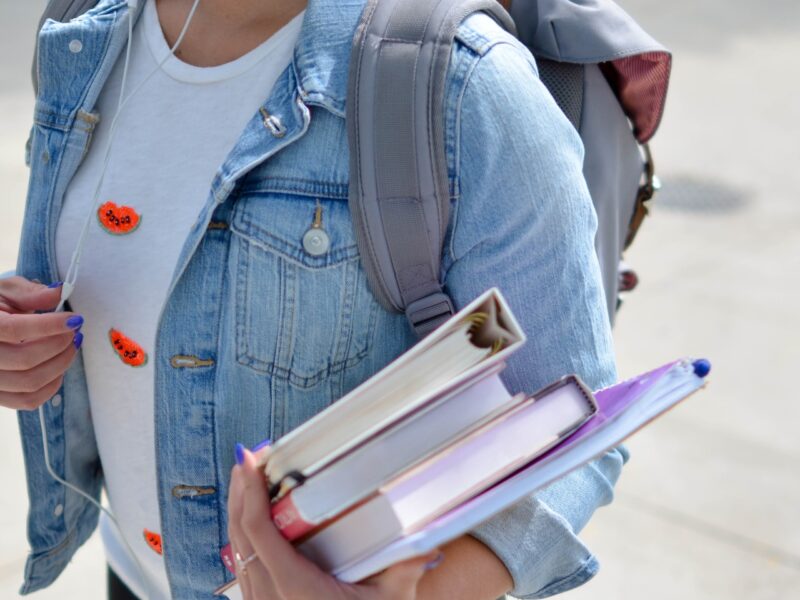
(257, 335)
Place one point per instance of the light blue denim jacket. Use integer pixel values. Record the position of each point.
(257, 335)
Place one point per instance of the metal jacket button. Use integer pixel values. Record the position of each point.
(182, 361)
(192, 491)
(75, 46)
(273, 123)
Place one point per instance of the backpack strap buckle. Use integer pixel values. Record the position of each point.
(426, 314)
(646, 191)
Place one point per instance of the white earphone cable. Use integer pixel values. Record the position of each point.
(72, 272)
(80, 492)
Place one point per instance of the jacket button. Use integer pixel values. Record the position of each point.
(273, 123)
(75, 46)
(59, 510)
(55, 401)
(192, 491)
(182, 361)
(316, 242)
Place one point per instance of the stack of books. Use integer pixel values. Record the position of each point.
(434, 444)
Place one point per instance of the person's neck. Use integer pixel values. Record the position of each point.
(223, 30)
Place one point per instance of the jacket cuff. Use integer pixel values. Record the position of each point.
(43, 568)
(536, 538)
(539, 549)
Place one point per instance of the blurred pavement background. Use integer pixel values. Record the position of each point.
(709, 505)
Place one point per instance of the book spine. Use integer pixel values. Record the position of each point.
(226, 554)
(289, 520)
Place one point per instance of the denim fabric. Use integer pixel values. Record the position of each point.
(257, 335)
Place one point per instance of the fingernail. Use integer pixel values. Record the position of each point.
(57, 284)
(239, 453)
(75, 322)
(261, 445)
(78, 340)
(430, 566)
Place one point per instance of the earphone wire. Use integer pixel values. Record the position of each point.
(74, 266)
(80, 492)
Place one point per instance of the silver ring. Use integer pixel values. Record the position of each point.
(241, 563)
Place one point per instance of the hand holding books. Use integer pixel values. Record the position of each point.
(433, 445)
(268, 566)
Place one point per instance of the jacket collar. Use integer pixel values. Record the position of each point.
(321, 57)
(322, 54)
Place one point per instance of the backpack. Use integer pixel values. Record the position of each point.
(607, 75)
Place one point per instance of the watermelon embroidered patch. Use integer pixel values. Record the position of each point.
(118, 220)
(129, 352)
(153, 540)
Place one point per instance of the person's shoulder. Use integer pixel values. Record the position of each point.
(503, 84)
(485, 37)
(502, 71)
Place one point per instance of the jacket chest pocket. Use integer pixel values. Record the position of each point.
(302, 314)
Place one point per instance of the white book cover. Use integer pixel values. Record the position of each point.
(479, 336)
(361, 472)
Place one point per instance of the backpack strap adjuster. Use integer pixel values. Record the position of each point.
(646, 192)
(427, 313)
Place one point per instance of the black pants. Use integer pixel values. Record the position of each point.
(118, 590)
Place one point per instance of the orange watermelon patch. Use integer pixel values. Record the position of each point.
(131, 353)
(118, 220)
(153, 540)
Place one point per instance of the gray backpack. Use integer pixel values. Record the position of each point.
(606, 74)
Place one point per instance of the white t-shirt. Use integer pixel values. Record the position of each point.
(171, 138)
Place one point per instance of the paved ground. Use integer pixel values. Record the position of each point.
(709, 506)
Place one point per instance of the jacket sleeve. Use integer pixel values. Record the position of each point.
(523, 221)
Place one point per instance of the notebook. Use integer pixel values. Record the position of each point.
(623, 409)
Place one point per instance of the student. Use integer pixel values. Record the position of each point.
(203, 321)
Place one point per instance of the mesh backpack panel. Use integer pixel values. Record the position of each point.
(565, 83)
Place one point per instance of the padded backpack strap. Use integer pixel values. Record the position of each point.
(399, 187)
(63, 11)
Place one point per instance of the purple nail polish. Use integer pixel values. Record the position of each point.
(261, 445)
(239, 448)
(75, 322)
(78, 340)
(435, 562)
(57, 284)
